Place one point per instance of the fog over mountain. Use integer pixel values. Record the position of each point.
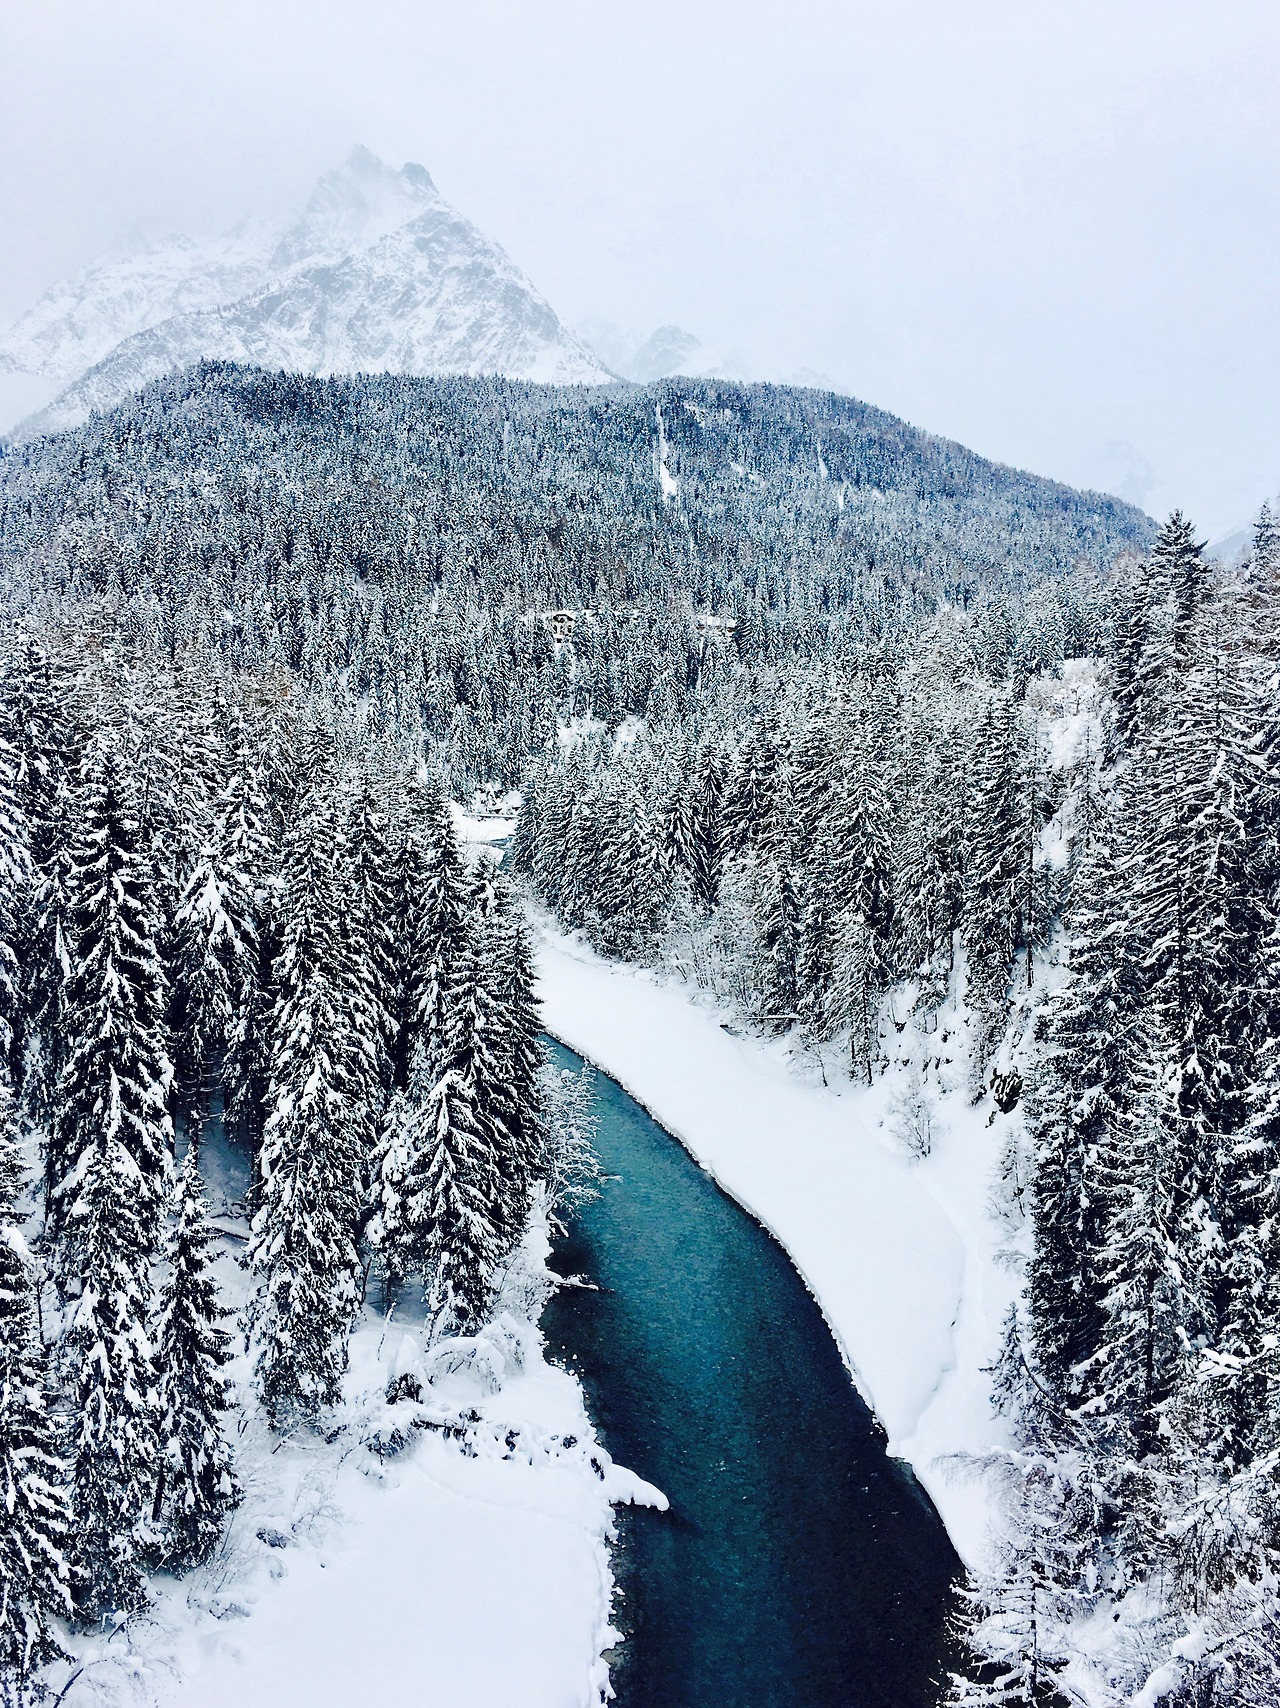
(378, 273)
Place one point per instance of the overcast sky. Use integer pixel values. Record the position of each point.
(1050, 231)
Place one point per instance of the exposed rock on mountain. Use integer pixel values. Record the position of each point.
(378, 273)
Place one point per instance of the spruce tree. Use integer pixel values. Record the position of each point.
(1081, 1087)
(196, 1486)
(47, 741)
(708, 847)
(368, 916)
(33, 1537)
(115, 1450)
(862, 885)
(439, 925)
(1152, 1312)
(303, 1240)
(114, 1085)
(16, 896)
(517, 1097)
(215, 952)
(250, 856)
(997, 835)
(445, 1210)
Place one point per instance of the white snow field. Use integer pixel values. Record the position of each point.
(469, 1571)
(902, 1254)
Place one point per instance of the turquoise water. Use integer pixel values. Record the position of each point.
(799, 1566)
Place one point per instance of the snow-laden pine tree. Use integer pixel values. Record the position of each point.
(215, 945)
(998, 835)
(708, 850)
(440, 923)
(1080, 1089)
(630, 894)
(517, 1096)
(1265, 557)
(779, 913)
(47, 737)
(196, 1486)
(679, 817)
(249, 842)
(16, 896)
(930, 792)
(1154, 1313)
(33, 1535)
(570, 1168)
(1154, 622)
(862, 886)
(114, 1086)
(445, 1209)
(303, 1240)
(368, 916)
(1006, 1620)
(751, 789)
(114, 1447)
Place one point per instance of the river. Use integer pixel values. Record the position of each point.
(799, 1565)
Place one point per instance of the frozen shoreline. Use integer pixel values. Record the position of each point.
(441, 1576)
(900, 1254)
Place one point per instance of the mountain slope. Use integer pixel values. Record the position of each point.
(79, 320)
(378, 273)
(722, 495)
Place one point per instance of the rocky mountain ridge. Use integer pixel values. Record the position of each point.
(378, 273)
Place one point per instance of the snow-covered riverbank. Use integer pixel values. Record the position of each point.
(901, 1253)
(469, 1570)
(478, 1576)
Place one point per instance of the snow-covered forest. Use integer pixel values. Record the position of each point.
(820, 713)
(219, 904)
(925, 823)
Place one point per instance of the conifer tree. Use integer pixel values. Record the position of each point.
(751, 788)
(778, 914)
(250, 845)
(862, 881)
(444, 1210)
(407, 880)
(1266, 545)
(997, 834)
(215, 952)
(1082, 1086)
(679, 829)
(1152, 1312)
(1007, 1619)
(46, 741)
(931, 790)
(440, 926)
(115, 1451)
(16, 895)
(114, 1086)
(631, 884)
(196, 1486)
(303, 1240)
(368, 917)
(33, 1537)
(517, 1099)
(1158, 621)
(708, 827)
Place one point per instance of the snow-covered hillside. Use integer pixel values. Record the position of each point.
(377, 273)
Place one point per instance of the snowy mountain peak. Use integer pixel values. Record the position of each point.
(354, 206)
(377, 273)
